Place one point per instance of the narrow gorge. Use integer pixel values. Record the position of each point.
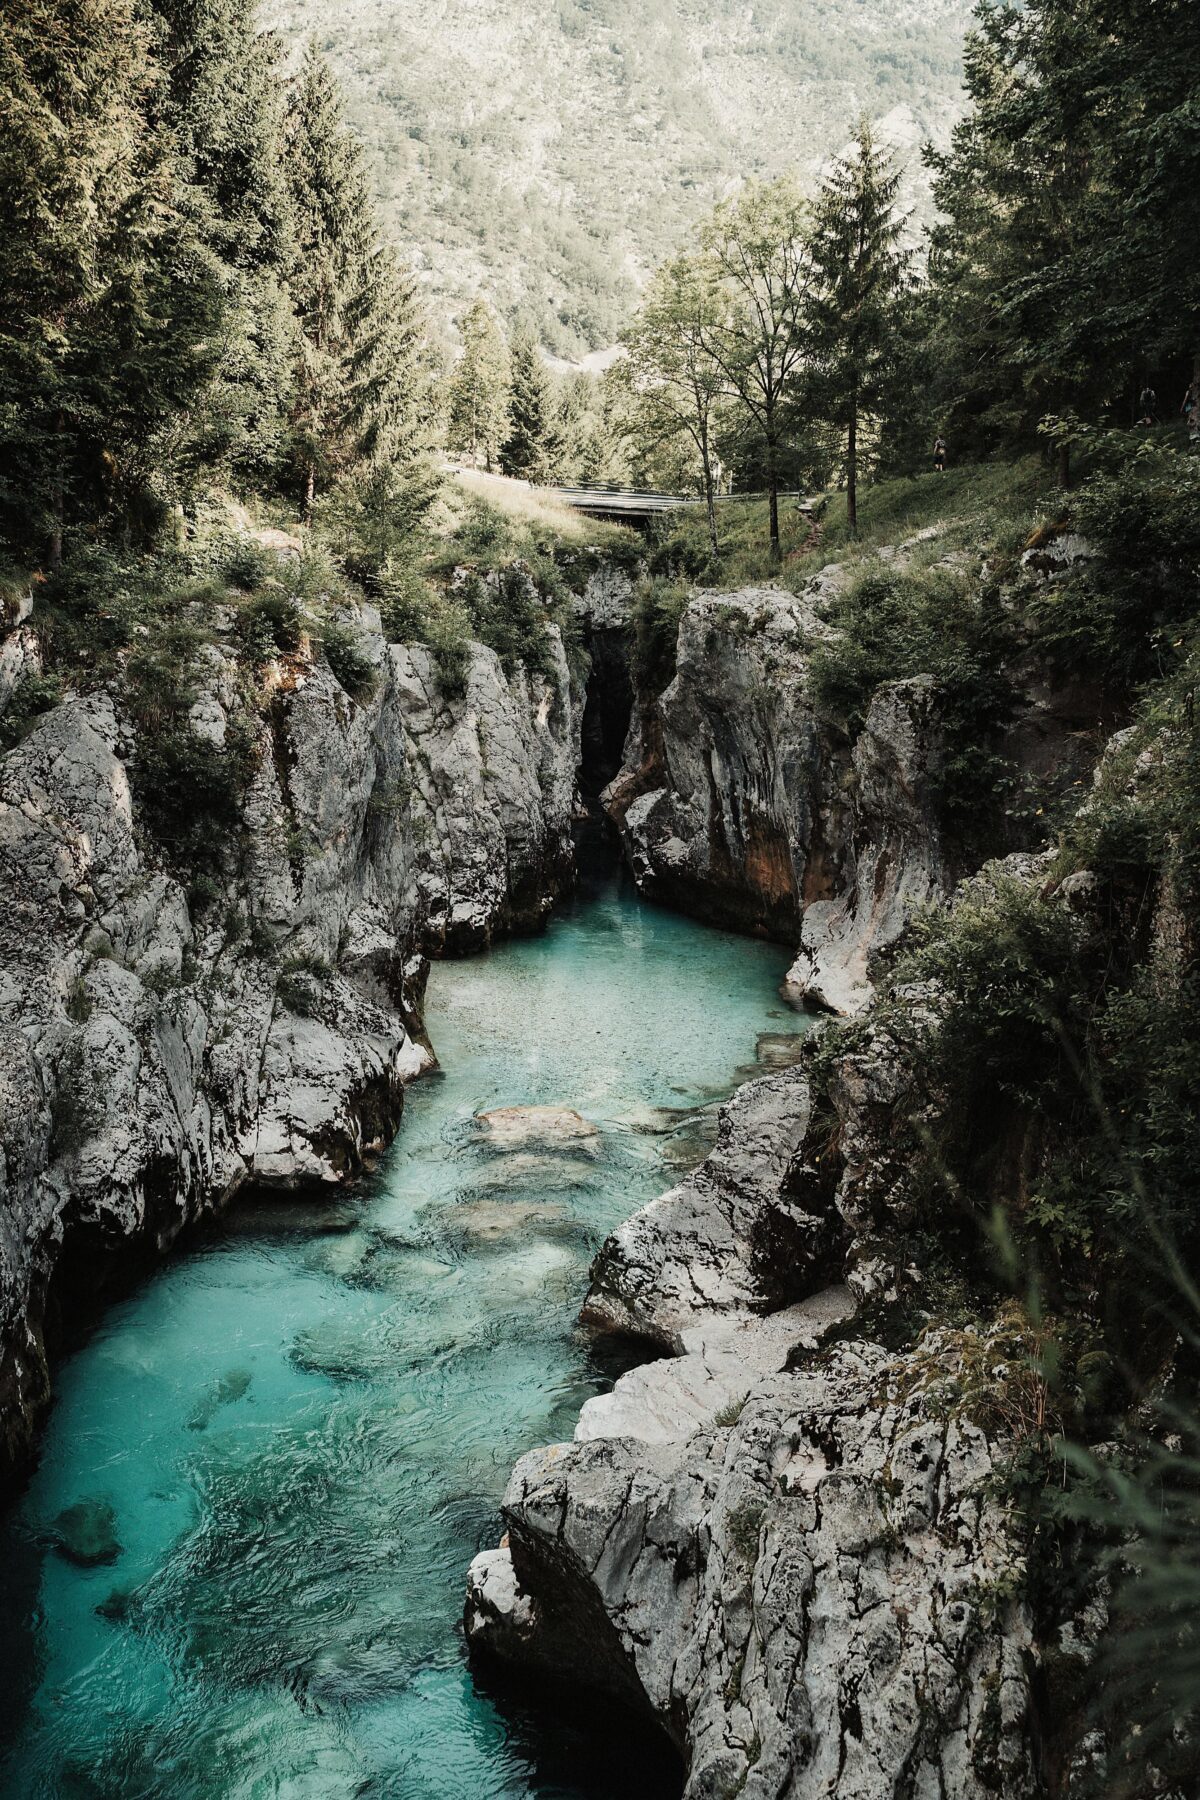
(772, 1543)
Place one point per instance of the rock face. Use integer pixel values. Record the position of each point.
(893, 856)
(750, 1229)
(806, 1595)
(157, 1052)
(740, 803)
(732, 827)
(791, 1552)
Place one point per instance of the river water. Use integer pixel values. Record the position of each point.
(238, 1572)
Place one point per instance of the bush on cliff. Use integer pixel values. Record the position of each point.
(896, 623)
(1125, 612)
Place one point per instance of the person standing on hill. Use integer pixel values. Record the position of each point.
(1148, 406)
(939, 455)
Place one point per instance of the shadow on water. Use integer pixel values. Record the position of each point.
(579, 1750)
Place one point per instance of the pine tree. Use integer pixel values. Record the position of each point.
(533, 445)
(112, 299)
(224, 107)
(478, 409)
(334, 240)
(859, 286)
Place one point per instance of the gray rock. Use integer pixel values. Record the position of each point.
(748, 1230)
(894, 855)
(152, 1060)
(811, 1598)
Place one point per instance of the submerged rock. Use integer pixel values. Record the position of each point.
(519, 1127)
(86, 1534)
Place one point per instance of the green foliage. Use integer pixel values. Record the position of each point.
(533, 445)
(856, 300)
(892, 625)
(658, 606)
(1056, 266)
(349, 660)
(32, 696)
(1127, 613)
(269, 625)
(477, 421)
(1052, 1114)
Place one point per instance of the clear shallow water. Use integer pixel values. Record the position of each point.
(292, 1440)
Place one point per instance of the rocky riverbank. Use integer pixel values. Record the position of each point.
(789, 1542)
(167, 1041)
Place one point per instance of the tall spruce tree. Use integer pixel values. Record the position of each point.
(112, 299)
(363, 379)
(333, 243)
(478, 410)
(859, 287)
(533, 445)
(224, 106)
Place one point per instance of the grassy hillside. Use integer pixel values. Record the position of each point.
(549, 154)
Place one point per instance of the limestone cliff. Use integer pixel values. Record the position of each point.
(739, 802)
(162, 1045)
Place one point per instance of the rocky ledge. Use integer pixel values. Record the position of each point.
(790, 1558)
(163, 1042)
(786, 1543)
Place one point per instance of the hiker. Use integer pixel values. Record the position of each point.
(1191, 411)
(939, 455)
(1148, 406)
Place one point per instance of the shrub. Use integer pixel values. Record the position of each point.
(348, 659)
(32, 696)
(658, 607)
(1125, 613)
(268, 624)
(892, 624)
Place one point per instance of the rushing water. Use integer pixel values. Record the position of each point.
(283, 1451)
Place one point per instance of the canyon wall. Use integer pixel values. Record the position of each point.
(163, 1041)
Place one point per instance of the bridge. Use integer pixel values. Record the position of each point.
(622, 506)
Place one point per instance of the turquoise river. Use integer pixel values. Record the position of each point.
(289, 1442)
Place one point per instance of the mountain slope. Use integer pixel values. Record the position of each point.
(550, 154)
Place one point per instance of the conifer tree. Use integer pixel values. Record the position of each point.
(224, 106)
(333, 244)
(112, 300)
(860, 280)
(534, 442)
(478, 409)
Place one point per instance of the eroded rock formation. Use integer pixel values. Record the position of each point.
(740, 803)
(159, 1048)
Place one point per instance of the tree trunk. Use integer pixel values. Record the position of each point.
(773, 491)
(1064, 465)
(709, 499)
(310, 488)
(852, 473)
